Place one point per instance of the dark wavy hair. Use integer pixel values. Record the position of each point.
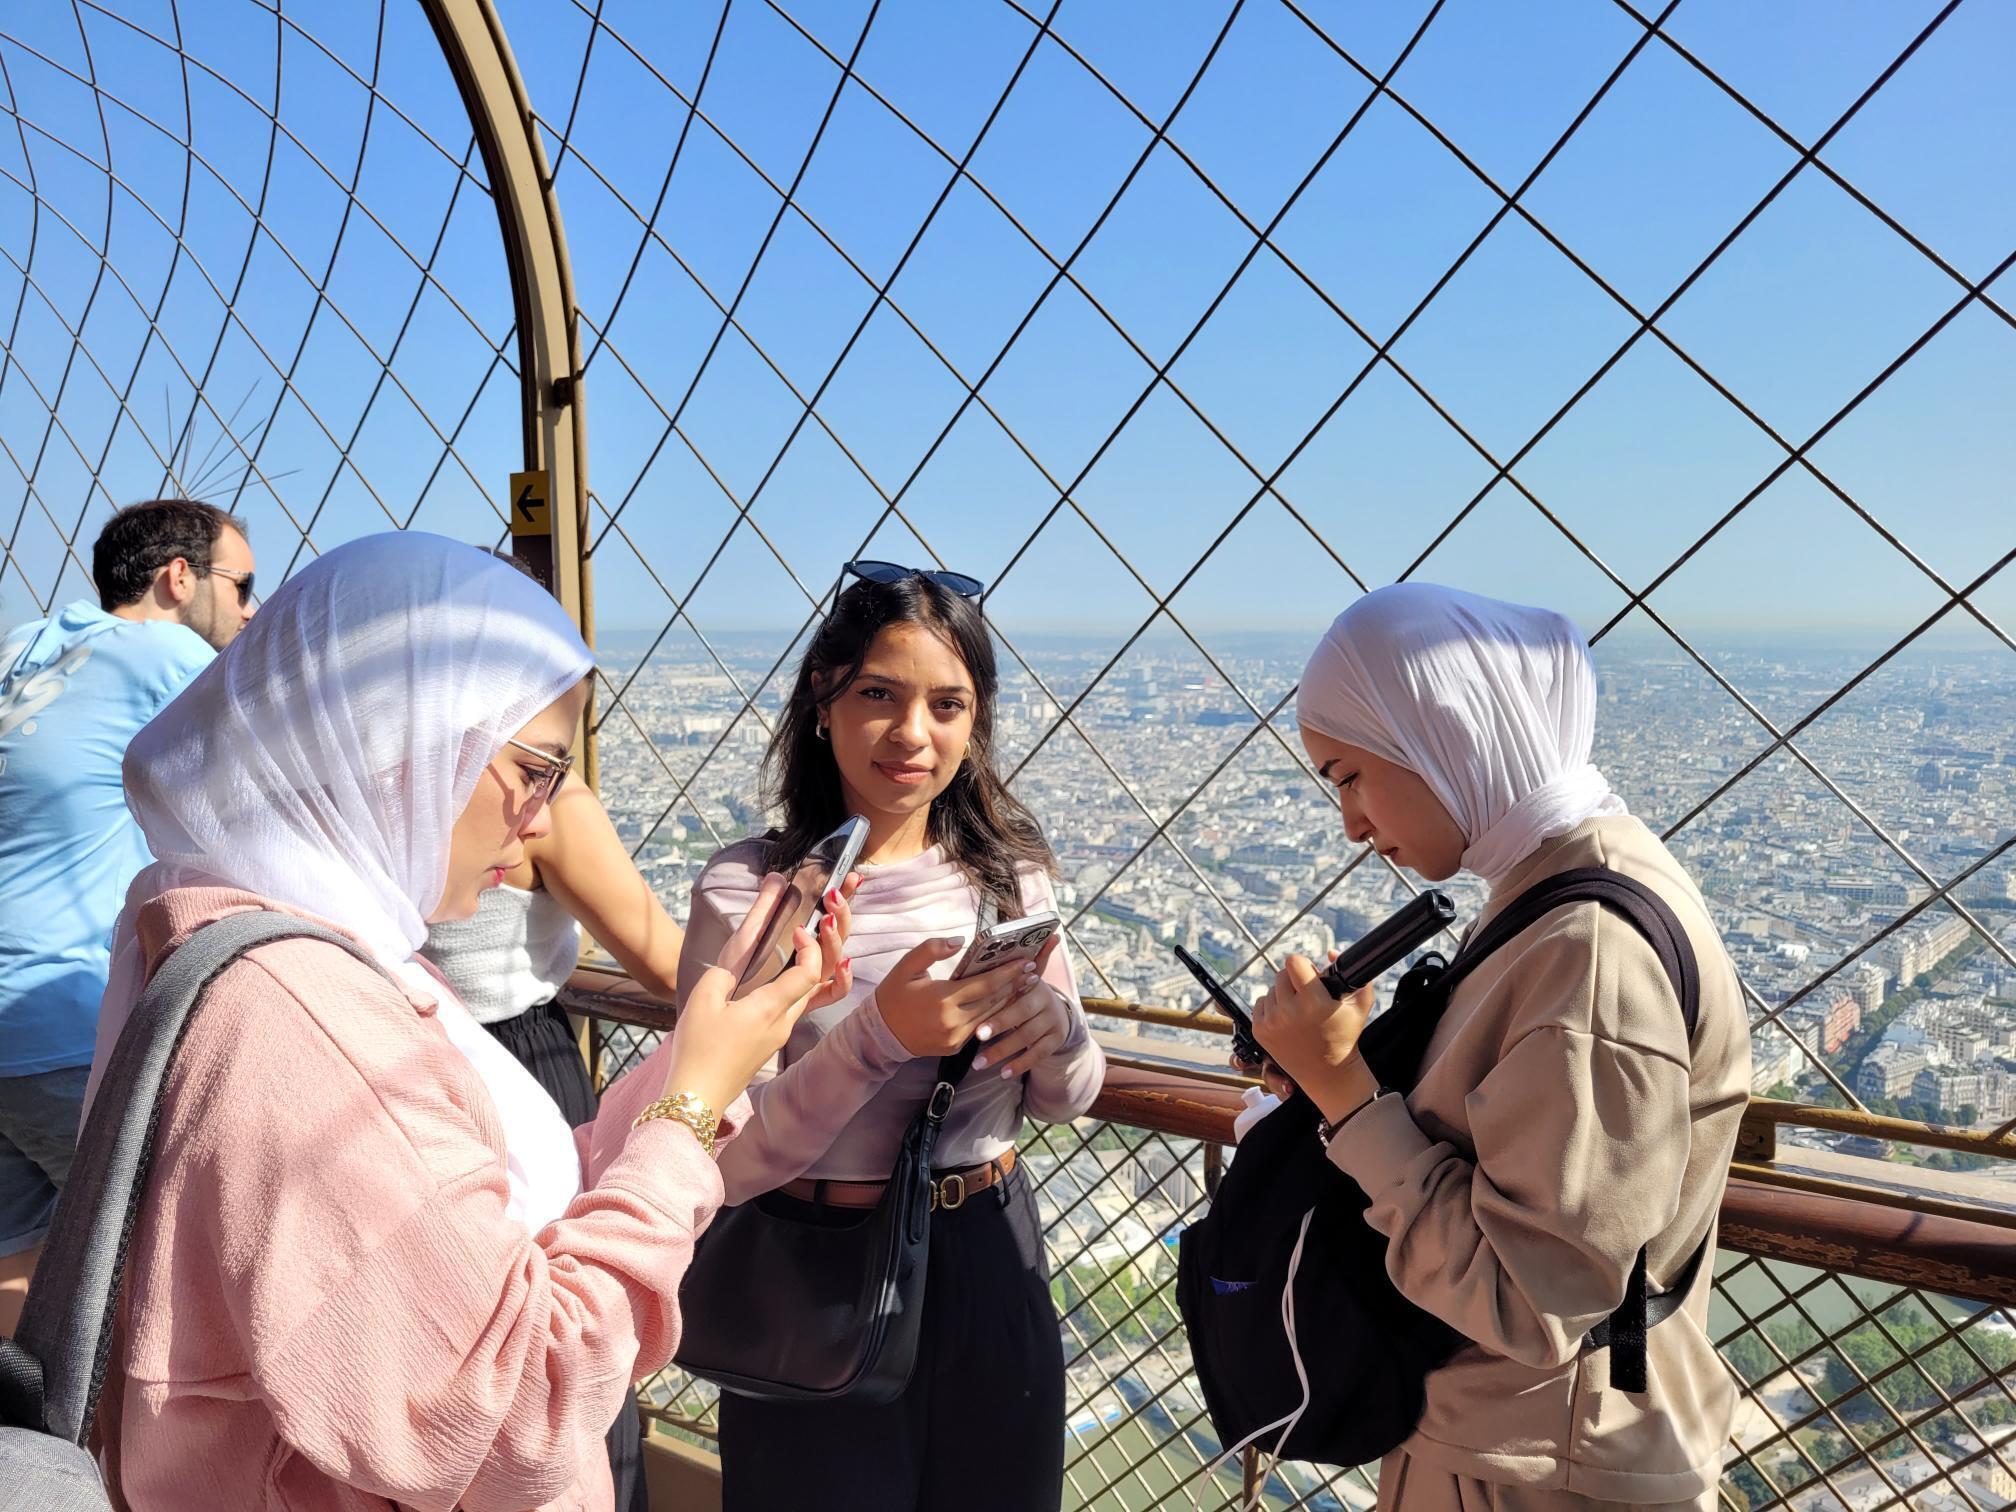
(980, 824)
(141, 539)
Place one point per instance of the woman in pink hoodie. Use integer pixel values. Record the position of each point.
(374, 1264)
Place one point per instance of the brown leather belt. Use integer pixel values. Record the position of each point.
(948, 1191)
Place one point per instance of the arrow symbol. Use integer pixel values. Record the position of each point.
(523, 503)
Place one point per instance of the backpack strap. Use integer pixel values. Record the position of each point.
(1645, 910)
(1624, 1331)
(53, 1369)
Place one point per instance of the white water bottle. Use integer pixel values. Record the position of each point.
(1259, 1103)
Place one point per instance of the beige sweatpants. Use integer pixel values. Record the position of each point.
(1405, 1486)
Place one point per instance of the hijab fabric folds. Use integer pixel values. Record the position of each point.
(1492, 704)
(322, 760)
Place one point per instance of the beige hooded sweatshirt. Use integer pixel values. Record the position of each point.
(1561, 1122)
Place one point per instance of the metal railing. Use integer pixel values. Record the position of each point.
(1874, 1346)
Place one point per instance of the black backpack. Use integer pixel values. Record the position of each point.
(1282, 1209)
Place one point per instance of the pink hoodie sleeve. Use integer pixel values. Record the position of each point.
(458, 1368)
(408, 1338)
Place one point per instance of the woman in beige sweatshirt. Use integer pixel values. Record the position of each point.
(1563, 1119)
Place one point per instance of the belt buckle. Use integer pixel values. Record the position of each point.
(942, 1193)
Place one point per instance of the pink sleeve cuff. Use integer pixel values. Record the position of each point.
(733, 1119)
(879, 1048)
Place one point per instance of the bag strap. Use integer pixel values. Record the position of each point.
(54, 1368)
(952, 1068)
(1643, 908)
(1395, 1042)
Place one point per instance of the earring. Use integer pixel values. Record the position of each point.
(821, 732)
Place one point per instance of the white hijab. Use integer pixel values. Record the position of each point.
(1492, 704)
(323, 759)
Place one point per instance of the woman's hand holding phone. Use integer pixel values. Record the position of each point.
(835, 924)
(1313, 1038)
(721, 1042)
(934, 1017)
(1031, 1028)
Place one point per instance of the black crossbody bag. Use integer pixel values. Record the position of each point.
(785, 1310)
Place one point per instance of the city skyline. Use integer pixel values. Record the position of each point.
(1797, 884)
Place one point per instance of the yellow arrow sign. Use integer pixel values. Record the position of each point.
(531, 504)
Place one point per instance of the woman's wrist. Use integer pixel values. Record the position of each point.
(690, 1109)
(1344, 1090)
(712, 1088)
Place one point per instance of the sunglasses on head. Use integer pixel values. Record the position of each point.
(893, 572)
(241, 580)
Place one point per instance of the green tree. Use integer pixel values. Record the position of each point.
(1749, 1486)
(1750, 1357)
(1791, 1333)
(1940, 1371)
(1133, 1307)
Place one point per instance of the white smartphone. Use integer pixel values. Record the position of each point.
(1011, 940)
(800, 905)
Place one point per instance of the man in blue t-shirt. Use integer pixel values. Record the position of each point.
(175, 581)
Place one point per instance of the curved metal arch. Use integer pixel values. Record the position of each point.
(542, 292)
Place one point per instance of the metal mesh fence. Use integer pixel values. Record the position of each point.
(248, 256)
(753, 457)
(1196, 320)
(1856, 1393)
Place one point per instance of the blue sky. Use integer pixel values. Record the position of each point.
(1814, 300)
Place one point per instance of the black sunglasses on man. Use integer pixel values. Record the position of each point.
(242, 581)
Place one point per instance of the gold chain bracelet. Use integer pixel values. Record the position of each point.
(688, 1109)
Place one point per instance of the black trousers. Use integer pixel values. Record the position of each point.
(544, 1043)
(980, 1427)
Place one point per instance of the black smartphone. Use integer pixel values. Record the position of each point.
(1244, 1046)
(825, 866)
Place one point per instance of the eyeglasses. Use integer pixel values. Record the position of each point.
(553, 771)
(242, 580)
(892, 572)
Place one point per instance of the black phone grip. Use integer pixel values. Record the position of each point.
(1389, 942)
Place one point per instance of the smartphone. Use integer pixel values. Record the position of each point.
(825, 866)
(1244, 1046)
(1012, 940)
